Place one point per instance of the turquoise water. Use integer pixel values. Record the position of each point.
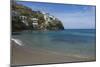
(71, 41)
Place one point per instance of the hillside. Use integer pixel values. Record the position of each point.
(24, 18)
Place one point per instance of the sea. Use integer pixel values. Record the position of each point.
(80, 42)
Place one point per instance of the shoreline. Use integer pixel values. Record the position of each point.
(22, 55)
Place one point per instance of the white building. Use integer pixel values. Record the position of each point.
(53, 18)
(35, 22)
(24, 20)
(48, 18)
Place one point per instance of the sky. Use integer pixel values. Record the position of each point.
(72, 16)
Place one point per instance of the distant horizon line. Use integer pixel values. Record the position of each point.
(78, 28)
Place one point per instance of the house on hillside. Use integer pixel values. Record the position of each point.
(24, 20)
(48, 18)
(52, 17)
(34, 22)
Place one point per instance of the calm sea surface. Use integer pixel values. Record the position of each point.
(71, 41)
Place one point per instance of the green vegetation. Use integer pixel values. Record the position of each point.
(19, 24)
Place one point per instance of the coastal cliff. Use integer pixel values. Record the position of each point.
(24, 18)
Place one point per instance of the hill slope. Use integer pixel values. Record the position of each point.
(24, 18)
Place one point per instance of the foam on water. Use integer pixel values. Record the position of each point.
(77, 43)
(17, 41)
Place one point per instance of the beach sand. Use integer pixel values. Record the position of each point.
(21, 55)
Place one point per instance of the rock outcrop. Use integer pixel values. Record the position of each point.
(24, 18)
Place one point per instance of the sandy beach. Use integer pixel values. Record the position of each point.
(22, 55)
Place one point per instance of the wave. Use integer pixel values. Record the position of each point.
(17, 41)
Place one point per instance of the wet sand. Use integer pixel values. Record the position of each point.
(22, 55)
